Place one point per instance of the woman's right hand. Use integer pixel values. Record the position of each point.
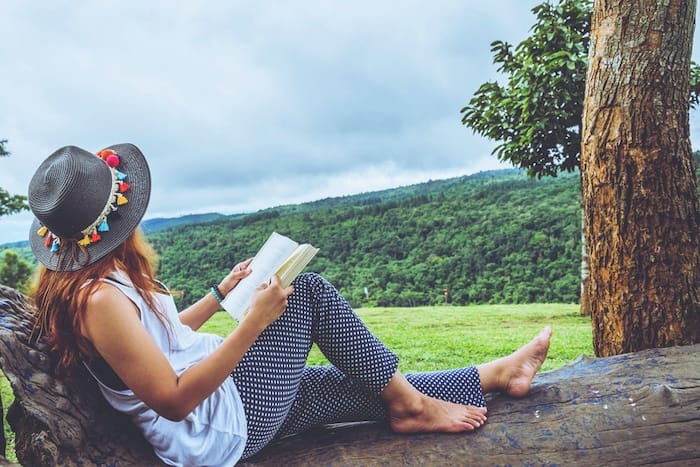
(269, 302)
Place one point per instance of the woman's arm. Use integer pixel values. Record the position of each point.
(113, 325)
(197, 314)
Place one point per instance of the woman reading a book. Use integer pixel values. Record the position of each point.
(200, 399)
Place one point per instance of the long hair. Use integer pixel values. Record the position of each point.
(61, 298)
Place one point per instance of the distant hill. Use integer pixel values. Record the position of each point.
(495, 237)
(491, 237)
(14, 245)
(161, 223)
(148, 226)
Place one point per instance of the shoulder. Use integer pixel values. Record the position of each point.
(104, 294)
(107, 305)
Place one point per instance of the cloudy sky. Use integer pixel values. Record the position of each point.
(240, 105)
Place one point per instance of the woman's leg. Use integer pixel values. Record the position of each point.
(365, 383)
(449, 400)
(350, 347)
(327, 395)
(270, 374)
(445, 401)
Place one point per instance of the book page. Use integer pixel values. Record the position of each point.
(267, 261)
(296, 263)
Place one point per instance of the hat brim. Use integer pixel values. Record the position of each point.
(128, 216)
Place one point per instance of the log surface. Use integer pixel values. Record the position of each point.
(633, 409)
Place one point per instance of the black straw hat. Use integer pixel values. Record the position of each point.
(86, 204)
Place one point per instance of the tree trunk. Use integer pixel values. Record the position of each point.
(584, 305)
(639, 188)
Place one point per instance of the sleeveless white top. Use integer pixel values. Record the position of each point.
(215, 432)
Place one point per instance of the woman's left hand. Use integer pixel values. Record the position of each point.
(232, 279)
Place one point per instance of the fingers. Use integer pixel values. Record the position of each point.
(242, 266)
(269, 301)
(238, 272)
(238, 275)
(274, 282)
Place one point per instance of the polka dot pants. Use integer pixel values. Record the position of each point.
(282, 396)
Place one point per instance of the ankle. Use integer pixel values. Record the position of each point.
(406, 404)
(493, 375)
(401, 396)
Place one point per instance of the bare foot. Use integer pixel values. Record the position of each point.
(524, 363)
(433, 415)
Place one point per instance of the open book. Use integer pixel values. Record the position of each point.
(279, 255)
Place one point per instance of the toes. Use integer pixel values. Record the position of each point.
(475, 418)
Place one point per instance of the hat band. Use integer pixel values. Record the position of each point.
(109, 207)
(91, 234)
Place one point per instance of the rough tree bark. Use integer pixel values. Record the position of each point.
(584, 305)
(638, 177)
(626, 410)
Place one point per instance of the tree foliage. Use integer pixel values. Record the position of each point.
(490, 238)
(10, 204)
(535, 117)
(14, 271)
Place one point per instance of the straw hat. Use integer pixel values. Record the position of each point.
(86, 204)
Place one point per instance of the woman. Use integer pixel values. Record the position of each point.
(204, 400)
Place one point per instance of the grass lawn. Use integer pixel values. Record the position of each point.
(434, 338)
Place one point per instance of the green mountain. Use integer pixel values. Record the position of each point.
(162, 223)
(148, 226)
(492, 237)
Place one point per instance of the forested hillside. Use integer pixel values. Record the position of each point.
(494, 237)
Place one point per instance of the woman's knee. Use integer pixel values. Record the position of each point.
(311, 284)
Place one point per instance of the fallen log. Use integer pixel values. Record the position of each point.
(634, 409)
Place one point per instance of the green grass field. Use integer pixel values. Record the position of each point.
(433, 338)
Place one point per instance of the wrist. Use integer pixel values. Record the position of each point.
(215, 290)
(252, 320)
(227, 284)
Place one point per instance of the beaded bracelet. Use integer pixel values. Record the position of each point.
(217, 293)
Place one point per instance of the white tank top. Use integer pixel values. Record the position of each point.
(215, 432)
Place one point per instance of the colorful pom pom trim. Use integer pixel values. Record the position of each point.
(91, 234)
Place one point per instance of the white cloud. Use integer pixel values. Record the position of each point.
(245, 105)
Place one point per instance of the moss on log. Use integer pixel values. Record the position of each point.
(633, 409)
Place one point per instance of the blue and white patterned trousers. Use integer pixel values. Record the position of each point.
(282, 396)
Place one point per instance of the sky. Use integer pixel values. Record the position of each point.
(239, 105)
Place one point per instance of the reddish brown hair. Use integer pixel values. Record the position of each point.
(61, 298)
